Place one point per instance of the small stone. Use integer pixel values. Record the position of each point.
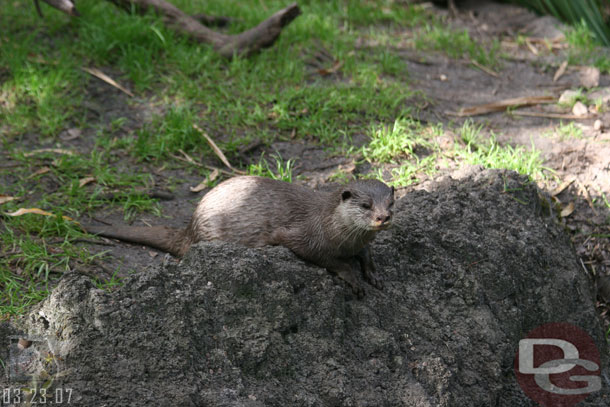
(580, 109)
(589, 77)
(598, 125)
(443, 77)
(568, 96)
(602, 94)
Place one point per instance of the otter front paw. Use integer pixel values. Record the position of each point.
(373, 279)
(347, 274)
(358, 290)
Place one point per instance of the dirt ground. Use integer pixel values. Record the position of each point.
(448, 85)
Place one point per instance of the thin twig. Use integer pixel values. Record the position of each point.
(218, 151)
(485, 69)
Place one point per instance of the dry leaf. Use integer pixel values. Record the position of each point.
(41, 171)
(85, 181)
(503, 105)
(101, 75)
(217, 150)
(567, 211)
(203, 184)
(485, 69)
(71, 134)
(186, 158)
(6, 198)
(560, 71)
(560, 188)
(333, 69)
(49, 150)
(531, 46)
(24, 211)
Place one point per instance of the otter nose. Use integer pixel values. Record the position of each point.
(383, 218)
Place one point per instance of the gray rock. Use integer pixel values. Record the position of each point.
(470, 267)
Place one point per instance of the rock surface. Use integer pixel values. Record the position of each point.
(470, 266)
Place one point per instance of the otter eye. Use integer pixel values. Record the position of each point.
(366, 206)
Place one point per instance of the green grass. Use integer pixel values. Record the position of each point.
(588, 13)
(412, 150)
(584, 50)
(570, 130)
(400, 140)
(282, 171)
(474, 149)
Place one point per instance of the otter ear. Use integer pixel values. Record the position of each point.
(345, 195)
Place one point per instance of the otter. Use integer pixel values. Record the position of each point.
(331, 229)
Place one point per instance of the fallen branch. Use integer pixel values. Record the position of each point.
(245, 43)
(554, 115)
(502, 105)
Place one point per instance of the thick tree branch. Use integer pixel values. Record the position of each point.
(245, 43)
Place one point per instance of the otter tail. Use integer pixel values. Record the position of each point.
(170, 240)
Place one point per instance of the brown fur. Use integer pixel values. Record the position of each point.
(329, 228)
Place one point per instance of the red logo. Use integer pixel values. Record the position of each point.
(558, 364)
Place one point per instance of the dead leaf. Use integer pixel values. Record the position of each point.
(585, 191)
(485, 69)
(589, 77)
(48, 150)
(101, 75)
(153, 254)
(203, 184)
(186, 158)
(24, 211)
(567, 211)
(217, 150)
(561, 187)
(331, 70)
(560, 71)
(85, 181)
(6, 198)
(503, 105)
(531, 46)
(41, 171)
(71, 134)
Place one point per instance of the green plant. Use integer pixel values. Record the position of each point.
(400, 140)
(567, 131)
(283, 169)
(490, 154)
(587, 12)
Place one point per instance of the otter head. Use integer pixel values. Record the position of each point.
(367, 204)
